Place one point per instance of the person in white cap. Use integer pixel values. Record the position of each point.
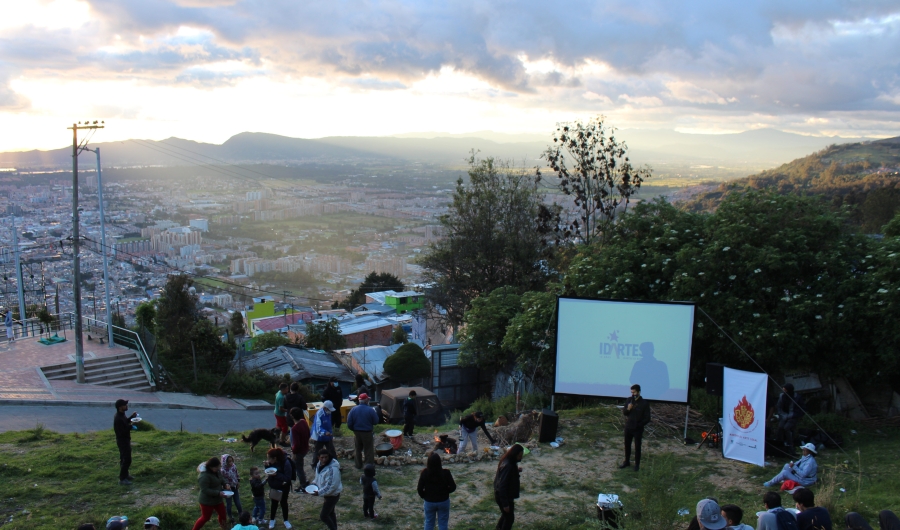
(803, 471)
(152, 523)
(709, 515)
(321, 431)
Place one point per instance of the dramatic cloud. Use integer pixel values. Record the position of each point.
(805, 65)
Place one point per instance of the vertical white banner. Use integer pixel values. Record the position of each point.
(744, 414)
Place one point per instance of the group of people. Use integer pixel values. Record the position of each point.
(808, 516)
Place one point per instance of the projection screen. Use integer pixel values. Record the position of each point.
(605, 346)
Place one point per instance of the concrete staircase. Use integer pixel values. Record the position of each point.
(120, 371)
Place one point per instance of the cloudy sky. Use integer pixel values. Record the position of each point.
(207, 69)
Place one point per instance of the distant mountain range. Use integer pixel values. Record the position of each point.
(759, 148)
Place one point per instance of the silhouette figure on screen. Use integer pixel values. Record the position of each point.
(650, 373)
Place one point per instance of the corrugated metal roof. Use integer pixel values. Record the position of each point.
(300, 363)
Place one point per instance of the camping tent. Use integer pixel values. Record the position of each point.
(428, 405)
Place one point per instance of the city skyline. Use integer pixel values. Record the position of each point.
(208, 69)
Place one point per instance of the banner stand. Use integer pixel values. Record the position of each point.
(687, 412)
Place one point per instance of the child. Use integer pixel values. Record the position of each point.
(230, 474)
(245, 523)
(258, 489)
(370, 491)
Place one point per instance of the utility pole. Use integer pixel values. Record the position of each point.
(76, 243)
(109, 324)
(20, 283)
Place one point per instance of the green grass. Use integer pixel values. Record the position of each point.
(50, 480)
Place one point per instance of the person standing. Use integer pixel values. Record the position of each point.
(468, 431)
(291, 400)
(212, 487)
(299, 446)
(328, 479)
(335, 395)
(410, 411)
(321, 433)
(122, 428)
(790, 411)
(10, 334)
(279, 484)
(637, 416)
(362, 420)
(506, 485)
(435, 486)
(280, 413)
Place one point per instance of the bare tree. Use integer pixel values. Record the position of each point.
(601, 178)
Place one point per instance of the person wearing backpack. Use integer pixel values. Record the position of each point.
(280, 484)
(776, 517)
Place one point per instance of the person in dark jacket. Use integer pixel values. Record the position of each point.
(362, 420)
(361, 387)
(789, 408)
(506, 485)
(468, 431)
(335, 395)
(370, 491)
(299, 446)
(280, 481)
(122, 428)
(212, 487)
(435, 486)
(637, 416)
(292, 400)
(410, 411)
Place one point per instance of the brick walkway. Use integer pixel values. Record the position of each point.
(22, 382)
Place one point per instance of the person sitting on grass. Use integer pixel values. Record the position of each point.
(151, 523)
(245, 522)
(811, 517)
(888, 520)
(117, 523)
(855, 521)
(709, 515)
(803, 472)
(87, 526)
(776, 517)
(733, 515)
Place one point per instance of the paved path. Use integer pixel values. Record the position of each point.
(83, 419)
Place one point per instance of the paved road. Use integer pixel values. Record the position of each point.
(85, 419)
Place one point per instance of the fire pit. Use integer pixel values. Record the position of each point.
(443, 443)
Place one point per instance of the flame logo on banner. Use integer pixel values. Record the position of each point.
(744, 413)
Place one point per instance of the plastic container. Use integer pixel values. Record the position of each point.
(345, 409)
(396, 438)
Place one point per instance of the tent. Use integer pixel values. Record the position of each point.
(428, 405)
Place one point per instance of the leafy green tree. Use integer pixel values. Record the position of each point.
(492, 238)
(325, 335)
(177, 313)
(408, 363)
(213, 355)
(531, 337)
(601, 179)
(892, 229)
(398, 336)
(236, 325)
(781, 274)
(145, 315)
(270, 339)
(372, 283)
(481, 339)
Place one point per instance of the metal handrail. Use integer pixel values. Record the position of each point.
(35, 327)
(128, 335)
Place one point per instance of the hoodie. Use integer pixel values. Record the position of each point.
(230, 473)
(328, 478)
(321, 425)
(370, 485)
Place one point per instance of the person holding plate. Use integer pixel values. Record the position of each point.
(122, 428)
(328, 480)
(212, 490)
(280, 473)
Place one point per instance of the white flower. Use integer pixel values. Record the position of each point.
(643, 265)
(726, 249)
(628, 280)
(757, 271)
(752, 300)
(699, 324)
(818, 296)
(700, 273)
(840, 314)
(882, 291)
(756, 315)
(869, 256)
(732, 277)
(684, 274)
(841, 306)
(818, 317)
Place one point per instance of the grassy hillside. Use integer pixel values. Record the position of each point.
(863, 175)
(51, 481)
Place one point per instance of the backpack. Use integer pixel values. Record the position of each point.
(786, 520)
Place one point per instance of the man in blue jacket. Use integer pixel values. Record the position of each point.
(362, 420)
(321, 431)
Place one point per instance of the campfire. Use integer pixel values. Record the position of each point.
(444, 443)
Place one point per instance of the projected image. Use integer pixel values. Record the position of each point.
(604, 347)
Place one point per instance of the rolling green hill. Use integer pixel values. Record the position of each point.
(864, 176)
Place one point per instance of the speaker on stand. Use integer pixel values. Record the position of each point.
(549, 422)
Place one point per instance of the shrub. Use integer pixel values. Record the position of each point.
(407, 363)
